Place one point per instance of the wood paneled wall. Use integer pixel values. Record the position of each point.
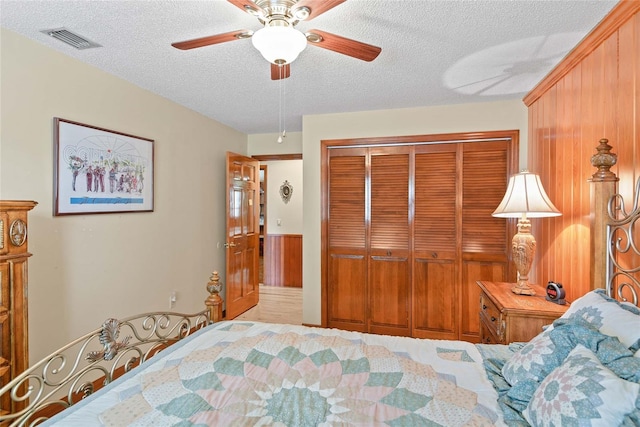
(285, 260)
(593, 93)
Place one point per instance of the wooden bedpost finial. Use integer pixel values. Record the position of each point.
(604, 160)
(603, 186)
(214, 301)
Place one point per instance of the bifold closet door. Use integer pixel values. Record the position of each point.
(347, 251)
(484, 239)
(390, 236)
(410, 231)
(369, 238)
(436, 231)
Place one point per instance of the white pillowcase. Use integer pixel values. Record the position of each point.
(582, 392)
(608, 316)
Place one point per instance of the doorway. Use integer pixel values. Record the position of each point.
(280, 220)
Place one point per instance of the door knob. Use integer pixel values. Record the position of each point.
(230, 245)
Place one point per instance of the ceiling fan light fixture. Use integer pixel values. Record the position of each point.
(278, 44)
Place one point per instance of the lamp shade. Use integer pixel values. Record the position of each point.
(525, 196)
(279, 45)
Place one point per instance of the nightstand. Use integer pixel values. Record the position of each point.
(506, 317)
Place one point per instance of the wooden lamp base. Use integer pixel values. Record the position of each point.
(523, 247)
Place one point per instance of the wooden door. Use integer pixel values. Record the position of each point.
(435, 293)
(369, 240)
(485, 240)
(243, 232)
(390, 239)
(457, 241)
(346, 240)
(407, 231)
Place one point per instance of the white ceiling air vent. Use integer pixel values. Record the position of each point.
(70, 38)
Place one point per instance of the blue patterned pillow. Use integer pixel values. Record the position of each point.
(565, 337)
(548, 350)
(533, 361)
(608, 316)
(582, 392)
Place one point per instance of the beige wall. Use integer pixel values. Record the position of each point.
(86, 268)
(505, 115)
(278, 171)
(289, 214)
(266, 143)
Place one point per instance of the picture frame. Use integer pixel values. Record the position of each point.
(286, 190)
(99, 170)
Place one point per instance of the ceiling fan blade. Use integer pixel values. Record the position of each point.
(343, 45)
(209, 40)
(248, 6)
(316, 7)
(280, 71)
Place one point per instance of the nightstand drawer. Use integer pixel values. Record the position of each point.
(506, 317)
(490, 312)
(487, 334)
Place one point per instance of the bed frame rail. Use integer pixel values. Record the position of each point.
(85, 365)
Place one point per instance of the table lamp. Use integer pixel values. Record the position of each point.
(525, 197)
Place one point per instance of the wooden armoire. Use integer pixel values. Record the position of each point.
(407, 231)
(14, 336)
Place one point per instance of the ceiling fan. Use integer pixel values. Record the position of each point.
(279, 41)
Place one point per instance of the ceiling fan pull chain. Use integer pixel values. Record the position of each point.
(280, 70)
(284, 103)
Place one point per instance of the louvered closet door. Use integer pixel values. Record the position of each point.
(484, 238)
(410, 232)
(346, 263)
(390, 242)
(435, 242)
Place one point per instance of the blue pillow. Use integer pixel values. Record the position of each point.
(563, 338)
(582, 391)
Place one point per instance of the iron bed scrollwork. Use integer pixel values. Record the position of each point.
(623, 229)
(88, 363)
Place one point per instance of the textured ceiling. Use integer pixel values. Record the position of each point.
(433, 53)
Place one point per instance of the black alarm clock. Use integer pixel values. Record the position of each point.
(555, 293)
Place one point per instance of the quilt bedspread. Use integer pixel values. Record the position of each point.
(247, 373)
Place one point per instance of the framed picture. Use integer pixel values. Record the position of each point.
(101, 171)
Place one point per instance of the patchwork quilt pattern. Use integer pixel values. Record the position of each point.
(299, 378)
(581, 392)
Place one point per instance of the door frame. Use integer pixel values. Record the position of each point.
(266, 158)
